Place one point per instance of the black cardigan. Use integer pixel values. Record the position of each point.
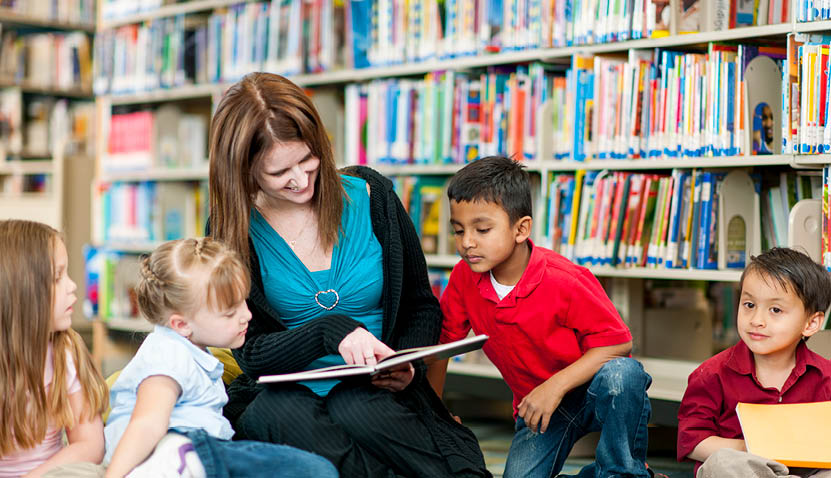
(411, 312)
(412, 318)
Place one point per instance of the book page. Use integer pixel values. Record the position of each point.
(429, 353)
(334, 371)
(432, 353)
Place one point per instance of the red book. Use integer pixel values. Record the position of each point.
(594, 234)
(617, 205)
(645, 219)
(630, 220)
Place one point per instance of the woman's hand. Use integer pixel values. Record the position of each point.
(360, 347)
(394, 379)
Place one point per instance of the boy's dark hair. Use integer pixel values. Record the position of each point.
(494, 179)
(794, 270)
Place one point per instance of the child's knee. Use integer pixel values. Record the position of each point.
(723, 463)
(623, 376)
(730, 463)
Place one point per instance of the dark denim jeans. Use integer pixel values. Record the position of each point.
(253, 459)
(614, 402)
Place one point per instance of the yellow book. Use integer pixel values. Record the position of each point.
(794, 434)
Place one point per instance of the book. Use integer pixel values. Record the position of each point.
(793, 434)
(430, 353)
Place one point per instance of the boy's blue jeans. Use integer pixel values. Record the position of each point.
(614, 402)
(253, 459)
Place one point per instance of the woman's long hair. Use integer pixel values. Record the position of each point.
(27, 294)
(256, 113)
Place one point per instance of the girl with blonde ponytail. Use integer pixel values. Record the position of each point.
(167, 418)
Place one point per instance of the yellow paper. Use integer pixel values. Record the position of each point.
(792, 434)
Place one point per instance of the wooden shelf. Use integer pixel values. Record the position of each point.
(420, 68)
(675, 274)
(181, 8)
(442, 260)
(705, 162)
(26, 167)
(486, 370)
(128, 324)
(420, 169)
(793, 160)
(130, 247)
(669, 377)
(158, 174)
(450, 260)
(10, 17)
(79, 93)
(178, 93)
(810, 27)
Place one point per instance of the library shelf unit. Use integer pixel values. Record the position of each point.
(46, 204)
(628, 283)
(127, 324)
(669, 377)
(15, 19)
(158, 174)
(42, 167)
(31, 89)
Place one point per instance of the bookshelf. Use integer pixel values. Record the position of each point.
(46, 119)
(14, 18)
(628, 284)
(456, 64)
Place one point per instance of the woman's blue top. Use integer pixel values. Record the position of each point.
(352, 286)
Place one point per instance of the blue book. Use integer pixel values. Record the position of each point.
(704, 217)
(361, 24)
(675, 219)
(732, 147)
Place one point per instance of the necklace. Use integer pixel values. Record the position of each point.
(291, 242)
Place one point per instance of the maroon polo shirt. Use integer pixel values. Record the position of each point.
(709, 404)
(556, 312)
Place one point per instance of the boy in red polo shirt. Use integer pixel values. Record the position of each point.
(784, 295)
(555, 336)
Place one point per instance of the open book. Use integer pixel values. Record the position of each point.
(430, 353)
(794, 434)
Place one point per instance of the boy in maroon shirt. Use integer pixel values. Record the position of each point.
(784, 295)
(555, 336)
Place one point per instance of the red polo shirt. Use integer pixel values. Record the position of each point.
(555, 313)
(709, 404)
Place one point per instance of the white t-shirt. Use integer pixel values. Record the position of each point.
(21, 462)
(501, 290)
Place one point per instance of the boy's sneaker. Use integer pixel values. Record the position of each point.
(174, 457)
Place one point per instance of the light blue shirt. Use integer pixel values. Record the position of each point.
(198, 373)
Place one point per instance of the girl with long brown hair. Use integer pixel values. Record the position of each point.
(49, 384)
(338, 275)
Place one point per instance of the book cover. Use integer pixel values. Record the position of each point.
(429, 354)
(646, 222)
(616, 220)
(657, 225)
(640, 186)
(793, 434)
(629, 219)
(704, 219)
